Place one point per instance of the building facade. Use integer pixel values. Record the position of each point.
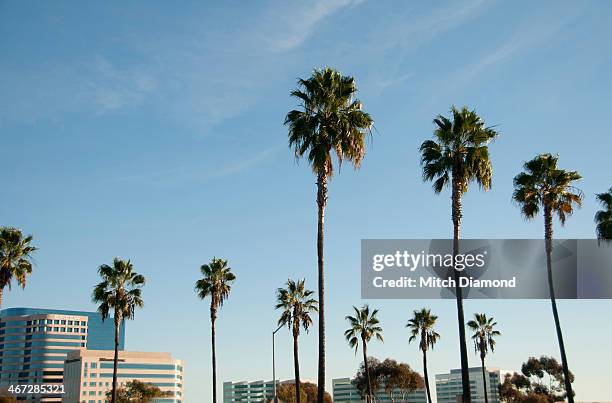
(88, 374)
(344, 390)
(34, 344)
(248, 392)
(448, 386)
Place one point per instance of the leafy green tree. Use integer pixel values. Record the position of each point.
(541, 380)
(367, 377)
(216, 284)
(330, 121)
(297, 305)
(286, 393)
(363, 326)
(15, 258)
(458, 155)
(484, 340)
(397, 378)
(119, 292)
(308, 393)
(136, 391)
(421, 325)
(543, 185)
(603, 218)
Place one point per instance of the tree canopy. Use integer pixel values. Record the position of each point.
(541, 380)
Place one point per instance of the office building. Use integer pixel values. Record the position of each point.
(345, 390)
(251, 392)
(448, 386)
(88, 374)
(34, 344)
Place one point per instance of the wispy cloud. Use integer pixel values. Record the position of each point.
(296, 22)
(529, 36)
(196, 173)
(116, 88)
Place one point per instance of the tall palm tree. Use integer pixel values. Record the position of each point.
(422, 325)
(458, 155)
(484, 339)
(603, 218)
(215, 284)
(544, 185)
(297, 304)
(120, 291)
(363, 326)
(330, 121)
(15, 258)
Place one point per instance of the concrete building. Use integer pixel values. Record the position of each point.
(344, 390)
(448, 386)
(34, 344)
(88, 374)
(254, 391)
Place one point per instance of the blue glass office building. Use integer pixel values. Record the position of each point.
(34, 344)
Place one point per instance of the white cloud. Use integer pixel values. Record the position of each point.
(296, 22)
(193, 174)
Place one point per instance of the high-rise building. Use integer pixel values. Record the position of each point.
(345, 390)
(448, 386)
(34, 344)
(88, 374)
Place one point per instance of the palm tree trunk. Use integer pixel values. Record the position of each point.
(367, 369)
(484, 378)
(213, 319)
(1, 295)
(296, 365)
(549, 247)
(117, 320)
(321, 202)
(426, 377)
(456, 216)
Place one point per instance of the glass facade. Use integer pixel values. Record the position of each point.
(34, 344)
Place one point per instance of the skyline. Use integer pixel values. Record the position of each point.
(155, 134)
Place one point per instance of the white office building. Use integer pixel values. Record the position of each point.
(449, 389)
(88, 374)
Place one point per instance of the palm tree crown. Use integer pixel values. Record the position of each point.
(119, 291)
(543, 184)
(421, 325)
(458, 151)
(331, 119)
(296, 302)
(603, 218)
(216, 282)
(484, 333)
(364, 325)
(15, 257)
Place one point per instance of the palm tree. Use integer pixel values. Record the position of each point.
(422, 325)
(363, 326)
(330, 121)
(215, 284)
(603, 218)
(119, 292)
(15, 258)
(544, 185)
(297, 304)
(458, 155)
(484, 339)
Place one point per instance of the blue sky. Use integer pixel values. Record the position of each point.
(154, 132)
